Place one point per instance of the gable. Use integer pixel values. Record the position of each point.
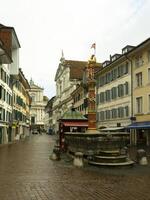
(59, 71)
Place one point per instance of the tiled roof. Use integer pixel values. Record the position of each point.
(76, 68)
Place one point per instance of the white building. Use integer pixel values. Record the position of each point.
(9, 64)
(69, 74)
(39, 101)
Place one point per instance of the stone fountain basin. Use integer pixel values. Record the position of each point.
(95, 142)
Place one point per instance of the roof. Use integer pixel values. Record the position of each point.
(76, 68)
(73, 114)
(4, 55)
(23, 78)
(13, 30)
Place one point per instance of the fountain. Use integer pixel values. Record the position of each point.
(103, 149)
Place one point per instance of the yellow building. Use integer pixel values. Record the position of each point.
(139, 58)
(21, 106)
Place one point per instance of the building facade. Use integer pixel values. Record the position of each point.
(9, 64)
(38, 103)
(114, 93)
(21, 106)
(139, 58)
(49, 126)
(79, 97)
(69, 74)
(5, 104)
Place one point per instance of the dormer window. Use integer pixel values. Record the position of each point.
(115, 57)
(107, 62)
(126, 49)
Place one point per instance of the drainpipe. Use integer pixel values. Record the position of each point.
(131, 84)
(132, 112)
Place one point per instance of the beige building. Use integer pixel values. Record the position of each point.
(113, 96)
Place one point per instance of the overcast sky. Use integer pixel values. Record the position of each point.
(45, 27)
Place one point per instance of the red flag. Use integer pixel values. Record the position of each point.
(93, 46)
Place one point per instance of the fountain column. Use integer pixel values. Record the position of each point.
(90, 69)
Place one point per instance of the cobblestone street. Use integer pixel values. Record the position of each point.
(26, 173)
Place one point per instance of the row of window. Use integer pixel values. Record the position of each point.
(108, 95)
(19, 86)
(139, 78)
(20, 102)
(139, 104)
(113, 75)
(5, 96)
(17, 115)
(119, 112)
(4, 77)
(78, 97)
(5, 115)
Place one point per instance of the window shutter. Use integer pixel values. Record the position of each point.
(126, 111)
(126, 88)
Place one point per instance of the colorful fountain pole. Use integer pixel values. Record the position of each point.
(91, 82)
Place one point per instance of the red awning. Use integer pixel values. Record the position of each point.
(76, 124)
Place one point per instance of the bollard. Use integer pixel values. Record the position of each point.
(56, 153)
(78, 159)
(141, 157)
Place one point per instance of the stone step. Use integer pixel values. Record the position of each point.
(111, 157)
(127, 163)
(110, 153)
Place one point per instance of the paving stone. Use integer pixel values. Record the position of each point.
(27, 173)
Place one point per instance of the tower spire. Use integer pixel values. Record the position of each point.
(62, 59)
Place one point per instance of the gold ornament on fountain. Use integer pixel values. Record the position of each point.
(93, 52)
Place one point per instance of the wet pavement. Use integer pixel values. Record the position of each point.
(27, 173)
